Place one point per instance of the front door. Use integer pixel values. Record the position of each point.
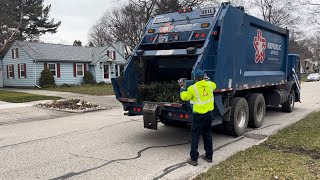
(106, 72)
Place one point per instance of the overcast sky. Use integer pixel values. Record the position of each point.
(77, 17)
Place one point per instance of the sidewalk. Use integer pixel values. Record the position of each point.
(105, 101)
(6, 105)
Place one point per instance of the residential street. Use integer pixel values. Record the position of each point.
(108, 145)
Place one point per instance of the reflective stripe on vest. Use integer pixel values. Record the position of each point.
(198, 96)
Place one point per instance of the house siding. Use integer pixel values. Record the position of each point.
(92, 69)
(24, 58)
(66, 74)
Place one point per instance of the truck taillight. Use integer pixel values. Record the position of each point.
(135, 109)
(181, 116)
(203, 35)
(196, 35)
(187, 116)
(150, 39)
(139, 109)
(176, 37)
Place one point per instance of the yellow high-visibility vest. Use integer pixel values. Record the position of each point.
(200, 96)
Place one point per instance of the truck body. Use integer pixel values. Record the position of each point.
(246, 57)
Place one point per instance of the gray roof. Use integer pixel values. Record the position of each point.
(58, 52)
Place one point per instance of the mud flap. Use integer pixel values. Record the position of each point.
(150, 115)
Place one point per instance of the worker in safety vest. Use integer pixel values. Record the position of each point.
(201, 98)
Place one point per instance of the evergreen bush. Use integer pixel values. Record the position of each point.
(47, 79)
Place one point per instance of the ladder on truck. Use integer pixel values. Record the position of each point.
(296, 79)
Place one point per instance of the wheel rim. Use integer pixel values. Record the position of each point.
(260, 111)
(241, 117)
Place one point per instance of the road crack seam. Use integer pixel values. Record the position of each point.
(41, 139)
(174, 167)
(139, 154)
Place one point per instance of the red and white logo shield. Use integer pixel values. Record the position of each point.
(260, 44)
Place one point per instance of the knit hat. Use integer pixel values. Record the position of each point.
(199, 74)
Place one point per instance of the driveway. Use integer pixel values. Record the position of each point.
(109, 145)
(105, 101)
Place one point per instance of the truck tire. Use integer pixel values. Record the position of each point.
(257, 110)
(288, 106)
(239, 117)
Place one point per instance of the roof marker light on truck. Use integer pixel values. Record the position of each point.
(205, 25)
(150, 30)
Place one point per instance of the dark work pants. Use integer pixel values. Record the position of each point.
(201, 125)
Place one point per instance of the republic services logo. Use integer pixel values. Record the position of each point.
(260, 44)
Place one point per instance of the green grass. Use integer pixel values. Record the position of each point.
(304, 77)
(19, 97)
(292, 153)
(95, 90)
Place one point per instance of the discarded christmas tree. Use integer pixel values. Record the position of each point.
(160, 92)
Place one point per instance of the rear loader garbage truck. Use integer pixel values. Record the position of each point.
(246, 57)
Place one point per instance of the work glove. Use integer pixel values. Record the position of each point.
(181, 82)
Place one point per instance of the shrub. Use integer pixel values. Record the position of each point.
(47, 78)
(102, 83)
(66, 85)
(88, 78)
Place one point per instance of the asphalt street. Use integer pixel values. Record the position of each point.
(108, 145)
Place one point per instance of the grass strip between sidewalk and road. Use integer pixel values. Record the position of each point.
(292, 153)
(94, 90)
(20, 97)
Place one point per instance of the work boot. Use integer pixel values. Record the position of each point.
(204, 157)
(192, 162)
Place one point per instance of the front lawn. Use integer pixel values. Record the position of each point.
(20, 97)
(292, 153)
(95, 90)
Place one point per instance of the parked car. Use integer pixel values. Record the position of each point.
(313, 77)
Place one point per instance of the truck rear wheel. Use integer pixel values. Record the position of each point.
(257, 109)
(288, 106)
(239, 117)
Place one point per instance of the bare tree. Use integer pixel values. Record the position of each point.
(278, 12)
(314, 44)
(127, 23)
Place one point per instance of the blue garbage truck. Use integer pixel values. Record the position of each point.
(245, 56)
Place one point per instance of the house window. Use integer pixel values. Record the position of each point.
(111, 54)
(11, 72)
(22, 70)
(53, 69)
(80, 69)
(15, 53)
(117, 70)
